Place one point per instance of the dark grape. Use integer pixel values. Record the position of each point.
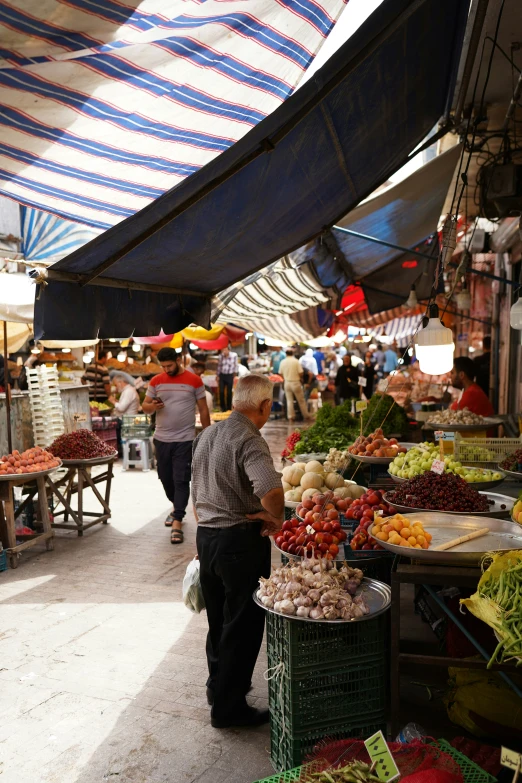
(446, 492)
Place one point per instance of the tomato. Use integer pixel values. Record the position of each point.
(333, 514)
(291, 549)
(300, 531)
(319, 538)
(357, 514)
(317, 509)
(287, 525)
(279, 540)
(327, 527)
(336, 526)
(284, 546)
(300, 550)
(327, 538)
(342, 535)
(292, 540)
(334, 549)
(301, 539)
(323, 548)
(367, 546)
(373, 499)
(317, 526)
(295, 522)
(310, 546)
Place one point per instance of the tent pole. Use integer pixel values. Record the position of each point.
(7, 393)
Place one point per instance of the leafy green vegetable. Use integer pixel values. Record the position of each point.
(337, 427)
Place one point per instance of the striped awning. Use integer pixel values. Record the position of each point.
(295, 328)
(398, 328)
(280, 289)
(107, 105)
(47, 238)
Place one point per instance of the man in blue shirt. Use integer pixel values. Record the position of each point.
(319, 358)
(390, 360)
(276, 358)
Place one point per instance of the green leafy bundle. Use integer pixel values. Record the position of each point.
(396, 422)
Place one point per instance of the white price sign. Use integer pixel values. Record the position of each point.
(437, 466)
(362, 381)
(442, 435)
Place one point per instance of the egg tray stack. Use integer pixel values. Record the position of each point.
(331, 681)
(46, 404)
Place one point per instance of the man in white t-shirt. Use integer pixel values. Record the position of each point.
(292, 373)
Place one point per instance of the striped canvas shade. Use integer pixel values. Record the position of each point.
(107, 105)
(398, 328)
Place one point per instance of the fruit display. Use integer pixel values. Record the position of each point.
(462, 416)
(353, 772)
(291, 442)
(315, 589)
(29, 461)
(513, 462)
(319, 532)
(470, 452)
(401, 531)
(303, 480)
(81, 444)
(516, 513)
(420, 459)
(433, 492)
(220, 415)
(364, 507)
(337, 460)
(376, 445)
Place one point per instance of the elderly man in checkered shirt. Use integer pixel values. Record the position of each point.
(238, 502)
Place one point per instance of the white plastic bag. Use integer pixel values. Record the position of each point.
(192, 593)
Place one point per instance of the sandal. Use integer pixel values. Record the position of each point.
(169, 520)
(176, 537)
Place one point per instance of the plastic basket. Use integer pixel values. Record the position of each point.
(323, 698)
(471, 772)
(292, 775)
(484, 451)
(288, 749)
(303, 646)
(3, 561)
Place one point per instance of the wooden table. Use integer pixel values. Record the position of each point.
(428, 575)
(78, 478)
(8, 514)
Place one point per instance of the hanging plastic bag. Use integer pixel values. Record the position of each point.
(192, 593)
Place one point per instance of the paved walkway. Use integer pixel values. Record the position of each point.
(102, 668)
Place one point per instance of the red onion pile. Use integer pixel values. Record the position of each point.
(82, 444)
(446, 492)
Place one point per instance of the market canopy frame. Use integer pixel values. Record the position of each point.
(293, 175)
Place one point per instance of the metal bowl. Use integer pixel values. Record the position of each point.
(94, 461)
(291, 504)
(478, 485)
(321, 457)
(516, 474)
(339, 558)
(373, 460)
(493, 511)
(503, 536)
(378, 598)
(485, 425)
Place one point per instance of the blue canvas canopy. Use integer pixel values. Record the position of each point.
(297, 172)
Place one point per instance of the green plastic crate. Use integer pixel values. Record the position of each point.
(303, 646)
(321, 698)
(288, 749)
(291, 775)
(471, 772)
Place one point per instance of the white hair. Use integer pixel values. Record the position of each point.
(251, 391)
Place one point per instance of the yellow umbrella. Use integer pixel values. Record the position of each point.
(198, 333)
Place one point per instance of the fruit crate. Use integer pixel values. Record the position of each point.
(484, 452)
(289, 749)
(138, 426)
(304, 646)
(471, 772)
(3, 560)
(323, 698)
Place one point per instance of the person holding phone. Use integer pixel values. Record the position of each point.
(173, 396)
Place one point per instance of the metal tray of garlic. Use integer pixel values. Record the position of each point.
(318, 591)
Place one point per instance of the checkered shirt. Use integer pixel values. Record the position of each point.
(231, 470)
(227, 365)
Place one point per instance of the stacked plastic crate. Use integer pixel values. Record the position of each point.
(328, 680)
(46, 404)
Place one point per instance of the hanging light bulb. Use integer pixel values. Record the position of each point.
(136, 348)
(35, 350)
(515, 316)
(66, 350)
(412, 300)
(121, 356)
(464, 299)
(86, 358)
(434, 346)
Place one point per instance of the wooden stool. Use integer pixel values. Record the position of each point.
(8, 515)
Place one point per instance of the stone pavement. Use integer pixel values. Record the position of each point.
(102, 668)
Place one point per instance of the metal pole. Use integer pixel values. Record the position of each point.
(96, 372)
(7, 392)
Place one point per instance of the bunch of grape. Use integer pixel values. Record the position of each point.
(513, 462)
(445, 492)
(291, 442)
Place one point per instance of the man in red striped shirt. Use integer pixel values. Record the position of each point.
(173, 396)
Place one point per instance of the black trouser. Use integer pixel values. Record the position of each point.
(231, 562)
(226, 384)
(174, 470)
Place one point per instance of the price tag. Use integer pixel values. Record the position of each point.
(362, 381)
(437, 466)
(385, 766)
(310, 530)
(80, 417)
(442, 435)
(378, 513)
(361, 405)
(509, 758)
